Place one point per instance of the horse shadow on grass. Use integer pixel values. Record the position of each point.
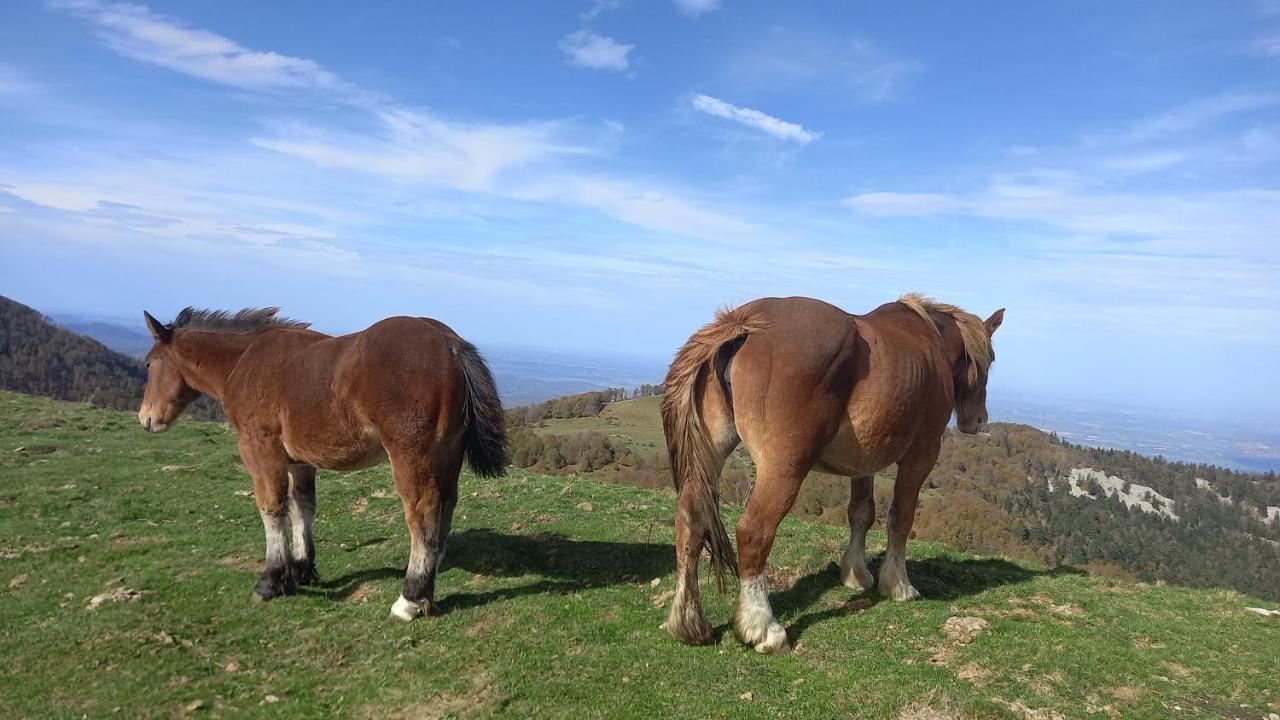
(937, 578)
(566, 566)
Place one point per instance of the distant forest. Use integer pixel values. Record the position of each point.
(39, 358)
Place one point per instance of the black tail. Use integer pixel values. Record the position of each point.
(485, 437)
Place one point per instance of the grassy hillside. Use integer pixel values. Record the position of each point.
(126, 562)
(1014, 491)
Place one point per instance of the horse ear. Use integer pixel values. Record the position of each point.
(159, 332)
(993, 322)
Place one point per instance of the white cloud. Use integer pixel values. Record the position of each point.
(895, 204)
(767, 124)
(1268, 46)
(1196, 114)
(585, 48)
(1144, 163)
(694, 8)
(413, 145)
(137, 33)
(823, 62)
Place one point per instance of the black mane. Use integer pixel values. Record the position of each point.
(248, 320)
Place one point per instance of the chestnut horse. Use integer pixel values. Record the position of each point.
(805, 385)
(408, 389)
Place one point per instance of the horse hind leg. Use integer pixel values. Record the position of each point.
(753, 621)
(428, 490)
(302, 515)
(862, 515)
(686, 621)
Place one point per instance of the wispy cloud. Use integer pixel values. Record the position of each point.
(900, 204)
(1196, 114)
(136, 32)
(586, 48)
(788, 58)
(1268, 46)
(406, 146)
(694, 8)
(752, 118)
(417, 146)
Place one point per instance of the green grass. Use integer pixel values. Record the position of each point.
(550, 607)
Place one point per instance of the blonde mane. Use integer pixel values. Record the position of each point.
(977, 343)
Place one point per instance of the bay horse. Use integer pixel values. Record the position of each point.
(803, 385)
(407, 389)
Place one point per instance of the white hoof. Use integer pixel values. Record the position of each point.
(406, 611)
(775, 642)
(857, 577)
(900, 592)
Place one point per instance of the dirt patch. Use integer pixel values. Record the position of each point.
(120, 594)
(964, 628)
(942, 656)
(974, 673)
(489, 621)
(1146, 643)
(19, 580)
(926, 711)
(481, 696)
(240, 562)
(1124, 693)
(1025, 712)
(1182, 672)
(361, 595)
(359, 505)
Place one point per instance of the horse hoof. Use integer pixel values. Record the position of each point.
(775, 643)
(859, 579)
(903, 592)
(306, 576)
(405, 610)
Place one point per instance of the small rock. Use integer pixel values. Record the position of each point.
(195, 705)
(120, 594)
(586, 506)
(178, 468)
(19, 580)
(964, 628)
(231, 666)
(655, 582)
(271, 699)
(746, 696)
(244, 493)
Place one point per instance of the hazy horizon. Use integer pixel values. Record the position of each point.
(600, 176)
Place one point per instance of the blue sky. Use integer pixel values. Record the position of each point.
(601, 176)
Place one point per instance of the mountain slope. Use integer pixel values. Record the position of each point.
(126, 561)
(40, 358)
(1013, 490)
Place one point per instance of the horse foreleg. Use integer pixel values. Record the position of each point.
(862, 515)
(267, 464)
(302, 514)
(753, 620)
(912, 471)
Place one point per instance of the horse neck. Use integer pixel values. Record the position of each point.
(209, 357)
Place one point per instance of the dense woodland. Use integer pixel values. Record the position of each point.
(39, 358)
(990, 494)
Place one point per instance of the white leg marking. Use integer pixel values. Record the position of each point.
(853, 566)
(277, 543)
(893, 574)
(754, 622)
(406, 610)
